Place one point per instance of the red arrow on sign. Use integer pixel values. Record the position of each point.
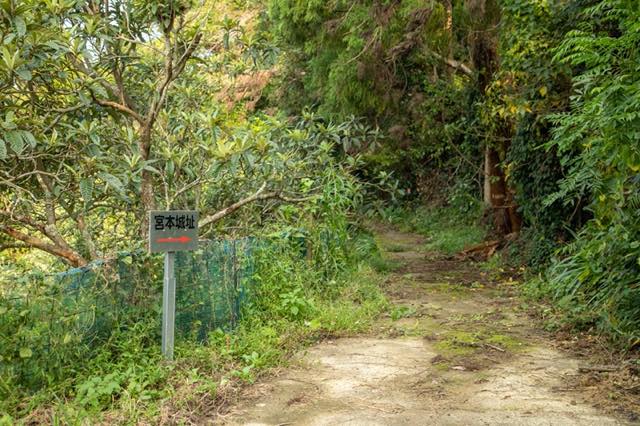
(181, 240)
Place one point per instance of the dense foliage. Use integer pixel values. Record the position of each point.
(286, 121)
(379, 60)
(547, 89)
(110, 109)
(598, 143)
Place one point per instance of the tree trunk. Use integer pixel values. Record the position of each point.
(484, 54)
(448, 27)
(497, 192)
(487, 173)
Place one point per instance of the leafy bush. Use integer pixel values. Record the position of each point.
(598, 145)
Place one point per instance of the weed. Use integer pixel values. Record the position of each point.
(383, 265)
(399, 312)
(446, 231)
(396, 248)
(295, 302)
(505, 341)
(458, 343)
(461, 343)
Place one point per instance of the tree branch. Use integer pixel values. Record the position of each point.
(69, 256)
(457, 65)
(17, 188)
(86, 234)
(87, 70)
(161, 91)
(184, 189)
(113, 91)
(171, 72)
(24, 220)
(121, 108)
(4, 247)
(413, 34)
(51, 228)
(117, 72)
(259, 195)
(188, 53)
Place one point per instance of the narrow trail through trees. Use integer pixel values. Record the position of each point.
(455, 350)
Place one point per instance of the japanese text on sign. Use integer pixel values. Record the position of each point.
(171, 231)
(174, 221)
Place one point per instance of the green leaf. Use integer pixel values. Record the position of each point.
(25, 353)
(11, 60)
(86, 189)
(28, 137)
(84, 98)
(21, 26)
(152, 169)
(112, 181)
(9, 121)
(14, 137)
(98, 89)
(9, 38)
(24, 74)
(225, 40)
(3, 150)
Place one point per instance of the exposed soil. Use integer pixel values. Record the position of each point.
(455, 349)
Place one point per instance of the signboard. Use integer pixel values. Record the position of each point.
(171, 231)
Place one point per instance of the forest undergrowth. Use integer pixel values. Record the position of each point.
(126, 380)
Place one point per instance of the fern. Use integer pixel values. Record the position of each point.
(601, 270)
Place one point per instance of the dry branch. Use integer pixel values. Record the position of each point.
(483, 250)
(456, 65)
(599, 369)
(413, 35)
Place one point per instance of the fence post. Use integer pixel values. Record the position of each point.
(234, 311)
(168, 305)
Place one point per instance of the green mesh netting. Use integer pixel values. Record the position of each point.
(91, 302)
(210, 286)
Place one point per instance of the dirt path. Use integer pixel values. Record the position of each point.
(455, 350)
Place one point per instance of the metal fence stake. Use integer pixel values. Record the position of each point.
(168, 305)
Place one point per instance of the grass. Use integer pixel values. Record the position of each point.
(401, 311)
(457, 343)
(460, 343)
(383, 265)
(446, 231)
(396, 248)
(127, 382)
